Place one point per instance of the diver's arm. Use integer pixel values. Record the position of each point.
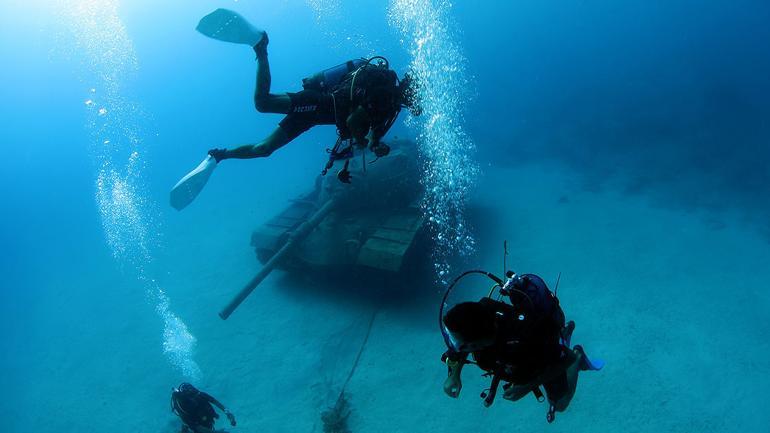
(221, 407)
(378, 132)
(213, 401)
(373, 138)
(379, 148)
(383, 125)
(358, 125)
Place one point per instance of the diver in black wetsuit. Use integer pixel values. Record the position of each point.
(365, 100)
(194, 409)
(524, 344)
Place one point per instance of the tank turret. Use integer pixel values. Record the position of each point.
(370, 225)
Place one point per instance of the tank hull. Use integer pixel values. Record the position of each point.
(377, 226)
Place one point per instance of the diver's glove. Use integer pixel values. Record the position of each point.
(231, 417)
(218, 154)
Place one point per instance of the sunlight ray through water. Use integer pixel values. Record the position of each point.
(117, 148)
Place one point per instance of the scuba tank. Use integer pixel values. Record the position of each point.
(326, 80)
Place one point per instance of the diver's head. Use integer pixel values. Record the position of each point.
(185, 388)
(408, 90)
(470, 326)
(517, 281)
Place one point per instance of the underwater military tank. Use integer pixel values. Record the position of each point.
(372, 225)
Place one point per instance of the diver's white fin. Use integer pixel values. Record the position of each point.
(185, 191)
(229, 26)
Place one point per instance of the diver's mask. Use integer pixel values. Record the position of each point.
(457, 343)
(453, 341)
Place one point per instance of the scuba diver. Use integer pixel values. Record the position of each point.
(361, 97)
(524, 343)
(194, 409)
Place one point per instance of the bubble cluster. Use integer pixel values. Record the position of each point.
(438, 64)
(178, 341)
(117, 149)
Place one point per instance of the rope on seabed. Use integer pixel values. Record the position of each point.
(358, 357)
(334, 419)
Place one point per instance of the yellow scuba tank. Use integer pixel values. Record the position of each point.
(326, 80)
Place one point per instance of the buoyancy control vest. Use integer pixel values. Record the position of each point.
(532, 304)
(353, 84)
(325, 81)
(530, 292)
(375, 88)
(192, 407)
(361, 82)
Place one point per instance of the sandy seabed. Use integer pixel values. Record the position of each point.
(674, 302)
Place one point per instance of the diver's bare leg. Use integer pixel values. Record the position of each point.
(516, 392)
(264, 101)
(273, 142)
(572, 379)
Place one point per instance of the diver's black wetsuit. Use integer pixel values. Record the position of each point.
(310, 107)
(527, 354)
(194, 408)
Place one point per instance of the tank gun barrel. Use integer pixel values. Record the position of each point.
(296, 236)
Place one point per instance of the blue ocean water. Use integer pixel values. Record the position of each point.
(622, 146)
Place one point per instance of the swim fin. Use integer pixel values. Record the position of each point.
(185, 191)
(229, 26)
(589, 364)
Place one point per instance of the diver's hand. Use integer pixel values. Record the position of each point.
(515, 392)
(218, 154)
(231, 417)
(380, 149)
(453, 385)
(344, 176)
